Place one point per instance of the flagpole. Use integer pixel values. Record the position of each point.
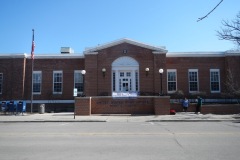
(32, 58)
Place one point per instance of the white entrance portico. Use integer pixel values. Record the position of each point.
(125, 75)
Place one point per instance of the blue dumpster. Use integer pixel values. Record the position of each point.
(12, 106)
(21, 107)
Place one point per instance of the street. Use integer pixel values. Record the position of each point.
(120, 140)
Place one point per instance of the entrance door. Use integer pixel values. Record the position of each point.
(125, 77)
(125, 81)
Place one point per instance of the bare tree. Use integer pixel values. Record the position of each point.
(233, 89)
(201, 18)
(231, 30)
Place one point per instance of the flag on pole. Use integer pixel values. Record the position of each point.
(33, 46)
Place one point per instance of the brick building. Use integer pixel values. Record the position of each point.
(122, 66)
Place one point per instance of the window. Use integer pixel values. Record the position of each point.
(37, 82)
(128, 74)
(78, 81)
(1, 83)
(121, 74)
(172, 80)
(215, 80)
(114, 81)
(57, 82)
(136, 80)
(193, 80)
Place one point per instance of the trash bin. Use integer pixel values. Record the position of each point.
(41, 109)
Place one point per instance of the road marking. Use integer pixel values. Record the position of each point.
(64, 124)
(29, 134)
(152, 123)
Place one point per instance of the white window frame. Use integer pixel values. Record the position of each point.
(37, 72)
(81, 80)
(56, 72)
(193, 70)
(218, 71)
(175, 71)
(125, 64)
(1, 83)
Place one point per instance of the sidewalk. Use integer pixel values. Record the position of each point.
(69, 117)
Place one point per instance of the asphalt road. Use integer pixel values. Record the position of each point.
(101, 141)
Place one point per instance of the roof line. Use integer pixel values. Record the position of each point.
(124, 40)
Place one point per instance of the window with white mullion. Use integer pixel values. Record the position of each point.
(37, 82)
(172, 80)
(215, 80)
(57, 82)
(1, 82)
(193, 80)
(78, 81)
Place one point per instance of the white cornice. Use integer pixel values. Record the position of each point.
(93, 53)
(232, 53)
(56, 56)
(125, 40)
(13, 55)
(195, 54)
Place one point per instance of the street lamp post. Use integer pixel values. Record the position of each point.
(83, 74)
(161, 73)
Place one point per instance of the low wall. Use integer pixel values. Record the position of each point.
(52, 107)
(109, 105)
(210, 108)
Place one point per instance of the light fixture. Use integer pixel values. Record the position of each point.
(83, 72)
(147, 70)
(161, 73)
(103, 71)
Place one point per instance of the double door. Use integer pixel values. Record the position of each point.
(125, 81)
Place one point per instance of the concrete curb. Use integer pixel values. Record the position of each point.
(83, 121)
(47, 121)
(68, 117)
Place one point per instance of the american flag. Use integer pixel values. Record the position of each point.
(33, 46)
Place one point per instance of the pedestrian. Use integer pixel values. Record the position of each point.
(199, 105)
(185, 104)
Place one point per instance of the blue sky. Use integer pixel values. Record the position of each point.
(87, 23)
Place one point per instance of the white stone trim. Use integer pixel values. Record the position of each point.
(14, 55)
(56, 56)
(195, 54)
(125, 40)
(232, 53)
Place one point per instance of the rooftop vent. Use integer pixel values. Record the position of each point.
(66, 50)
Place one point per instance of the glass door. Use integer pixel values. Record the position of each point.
(125, 80)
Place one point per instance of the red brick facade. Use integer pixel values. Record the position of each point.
(16, 71)
(108, 105)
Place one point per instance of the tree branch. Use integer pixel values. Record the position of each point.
(199, 19)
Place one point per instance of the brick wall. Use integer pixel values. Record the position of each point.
(13, 70)
(109, 105)
(162, 105)
(203, 64)
(83, 106)
(96, 84)
(47, 66)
